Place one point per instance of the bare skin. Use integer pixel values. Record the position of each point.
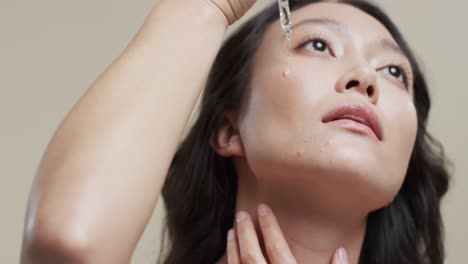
(116, 143)
(322, 179)
(120, 137)
(264, 243)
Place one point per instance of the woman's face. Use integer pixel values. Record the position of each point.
(340, 56)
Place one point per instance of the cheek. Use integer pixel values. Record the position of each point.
(289, 99)
(402, 121)
(280, 113)
(286, 104)
(401, 134)
(408, 126)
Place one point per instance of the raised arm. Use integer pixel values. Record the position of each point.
(103, 170)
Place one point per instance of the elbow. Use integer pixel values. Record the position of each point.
(44, 242)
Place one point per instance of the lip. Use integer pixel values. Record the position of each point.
(356, 117)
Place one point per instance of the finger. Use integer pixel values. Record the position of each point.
(340, 257)
(233, 10)
(250, 252)
(275, 244)
(232, 248)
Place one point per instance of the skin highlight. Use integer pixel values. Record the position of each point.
(320, 180)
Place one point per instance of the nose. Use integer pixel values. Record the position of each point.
(361, 79)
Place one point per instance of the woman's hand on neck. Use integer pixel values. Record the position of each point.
(313, 231)
(313, 240)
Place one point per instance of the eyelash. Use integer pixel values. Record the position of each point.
(319, 37)
(316, 37)
(404, 70)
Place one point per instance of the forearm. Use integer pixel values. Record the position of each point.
(103, 170)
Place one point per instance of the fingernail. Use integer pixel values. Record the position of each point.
(230, 235)
(342, 256)
(240, 216)
(262, 210)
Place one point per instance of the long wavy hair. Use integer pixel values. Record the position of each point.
(201, 186)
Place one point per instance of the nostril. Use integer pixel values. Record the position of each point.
(352, 84)
(370, 91)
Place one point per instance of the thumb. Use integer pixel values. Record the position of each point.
(340, 257)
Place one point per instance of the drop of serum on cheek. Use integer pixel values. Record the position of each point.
(285, 21)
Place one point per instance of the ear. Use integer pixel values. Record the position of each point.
(227, 141)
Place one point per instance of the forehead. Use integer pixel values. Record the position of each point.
(361, 25)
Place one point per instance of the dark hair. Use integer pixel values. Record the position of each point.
(201, 187)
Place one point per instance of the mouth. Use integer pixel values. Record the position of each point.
(357, 118)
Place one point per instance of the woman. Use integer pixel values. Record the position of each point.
(332, 140)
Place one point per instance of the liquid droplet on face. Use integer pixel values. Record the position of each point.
(287, 70)
(285, 21)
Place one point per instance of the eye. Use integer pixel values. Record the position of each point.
(319, 45)
(315, 44)
(396, 72)
(399, 72)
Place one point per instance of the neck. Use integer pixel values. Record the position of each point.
(313, 232)
(313, 238)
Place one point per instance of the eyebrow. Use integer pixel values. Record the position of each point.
(388, 44)
(331, 23)
(341, 28)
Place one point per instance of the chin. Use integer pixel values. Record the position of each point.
(360, 175)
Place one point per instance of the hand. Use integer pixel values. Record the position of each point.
(243, 245)
(233, 10)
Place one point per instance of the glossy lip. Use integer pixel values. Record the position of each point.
(358, 113)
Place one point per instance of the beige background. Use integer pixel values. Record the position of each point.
(52, 50)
